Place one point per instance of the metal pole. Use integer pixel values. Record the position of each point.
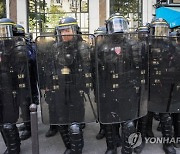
(76, 9)
(4, 10)
(34, 129)
(36, 15)
(27, 6)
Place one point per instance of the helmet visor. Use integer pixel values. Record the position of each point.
(62, 28)
(117, 25)
(6, 31)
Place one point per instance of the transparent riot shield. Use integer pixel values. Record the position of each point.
(122, 85)
(15, 91)
(66, 78)
(164, 74)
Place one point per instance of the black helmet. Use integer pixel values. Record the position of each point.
(20, 30)
(144, 30)
(7, 27)
(29, 37)
(6, 21)
(117, 24)
(100, 31)
(178, 36)
(159, 27)
(68, 22)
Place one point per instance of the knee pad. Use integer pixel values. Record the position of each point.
(8, 126)
(129, 126)
(63, 128)
(165, 117)
(75, 128)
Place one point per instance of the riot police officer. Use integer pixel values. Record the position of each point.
(72, 135)
(144, 124)
(66, 74)
(99, 34)
(162, 60)
(53, 129)
(8, 116)
(117, 58)
(176, 116)
(31, 53)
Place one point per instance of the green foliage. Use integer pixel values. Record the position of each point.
(84, 6)
(125, 6)
(55, 13)
(2, 10)
(42, 16)
(55, 9)
(36, 13)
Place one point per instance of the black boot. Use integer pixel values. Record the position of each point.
(53, 129)
(142, 128)
(156, 116)
(11, 136)
(22, 127)
(101, 133)
(63, 130)
(76, 138)
(166, 127)
(83, 126)
(26, 133)
(149, 132)
(159, 127)
(110, 134)
(127, 129)
(117, 135)
(169, 149)
(176, 123)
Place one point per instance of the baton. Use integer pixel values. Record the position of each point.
(92, 106)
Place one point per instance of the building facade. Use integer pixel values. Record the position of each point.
(39, 16)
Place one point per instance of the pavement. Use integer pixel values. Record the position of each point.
(54, 145)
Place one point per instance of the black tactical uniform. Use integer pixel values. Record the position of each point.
(176, 116)
(162, 80)
(72, 135)
(118, 63)
(66, 81)
(13, 84)
(31, 53)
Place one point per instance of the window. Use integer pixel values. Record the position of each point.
(58, 1)
(3, 9)
(132, 10)
(44, 15)
(176, 1)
